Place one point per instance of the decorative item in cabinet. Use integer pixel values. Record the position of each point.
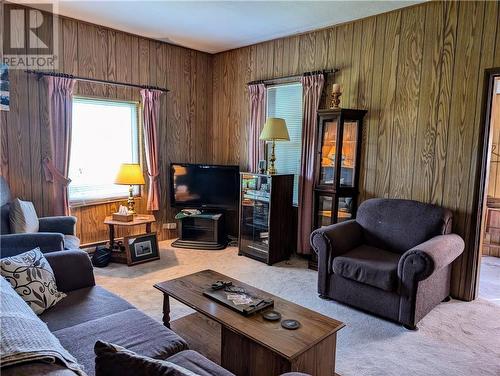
(337, 168)
(266, 214)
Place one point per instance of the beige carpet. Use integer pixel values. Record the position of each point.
(456, 338)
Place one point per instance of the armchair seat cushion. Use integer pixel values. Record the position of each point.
(71, 242)
(369, 265)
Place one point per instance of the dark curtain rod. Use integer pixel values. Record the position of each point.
(294, 77)
(96, 80)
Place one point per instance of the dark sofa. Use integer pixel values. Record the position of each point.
(393, 260)
(90, 312)
(55, 233)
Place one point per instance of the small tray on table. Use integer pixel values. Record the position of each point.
(258, 303)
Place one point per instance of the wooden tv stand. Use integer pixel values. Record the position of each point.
(202, 231)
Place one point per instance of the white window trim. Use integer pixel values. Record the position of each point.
(138, 190)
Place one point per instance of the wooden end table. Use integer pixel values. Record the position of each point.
(252, 345)
(139, 220)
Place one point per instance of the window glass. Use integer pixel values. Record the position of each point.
(104, 135)
(285, 101)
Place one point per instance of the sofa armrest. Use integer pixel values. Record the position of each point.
(72, 269)
(13, 244)
(63, 224)
(419, 262)
(331, 241)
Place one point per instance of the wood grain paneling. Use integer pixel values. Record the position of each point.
(418, 71)
(98, 52)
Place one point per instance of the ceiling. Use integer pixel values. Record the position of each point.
(215, 26)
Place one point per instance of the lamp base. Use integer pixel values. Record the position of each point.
(271, 169)
(130, 201)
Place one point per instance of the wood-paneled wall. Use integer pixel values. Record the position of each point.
(419, 73)
(97, 52)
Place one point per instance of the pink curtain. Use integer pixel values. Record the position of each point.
(56, 165)
(257, 119)
(312, 87)
(151, 102)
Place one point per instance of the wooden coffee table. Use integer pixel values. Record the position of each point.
(252, 345)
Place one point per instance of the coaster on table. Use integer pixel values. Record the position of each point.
(290, 324)
(271, 316)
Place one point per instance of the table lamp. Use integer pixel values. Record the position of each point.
(274, 130)
(130, 174)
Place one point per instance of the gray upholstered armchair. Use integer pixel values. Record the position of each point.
(55, 233)
(393, 260)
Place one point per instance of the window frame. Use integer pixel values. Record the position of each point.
(266, 145)
(138, 190)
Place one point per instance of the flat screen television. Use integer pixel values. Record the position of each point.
(203, 186)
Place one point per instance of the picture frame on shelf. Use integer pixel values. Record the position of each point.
(141, 248)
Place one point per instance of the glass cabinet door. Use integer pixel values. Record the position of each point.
(344, 209)
(324, 211)
(254, 226)
(328, 153)
(349, 153)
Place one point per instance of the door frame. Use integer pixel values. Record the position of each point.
(482, 172)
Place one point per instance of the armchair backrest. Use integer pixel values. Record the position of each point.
(5, 199)
(398, 225)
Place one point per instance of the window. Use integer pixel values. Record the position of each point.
(285, 101)
(104, 135)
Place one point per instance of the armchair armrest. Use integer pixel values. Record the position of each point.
(13, 244)
(72, 269)
(335, 240)
(419, 262)
(63, 224)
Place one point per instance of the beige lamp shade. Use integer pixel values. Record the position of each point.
(274, 129)
(130, 174)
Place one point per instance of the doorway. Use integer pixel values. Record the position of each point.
(489, 242)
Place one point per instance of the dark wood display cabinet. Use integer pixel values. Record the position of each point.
(337, 168)
(266, 212)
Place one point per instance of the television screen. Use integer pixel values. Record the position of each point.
(204, 186)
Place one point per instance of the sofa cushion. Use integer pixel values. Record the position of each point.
(23, 217)
(83, 305)
(25, 338)
(32, 277)
(198, 364)
(369, 265)
(71, 242)
(131, 329)
(398, 225)
(38, 369)
(114, 360)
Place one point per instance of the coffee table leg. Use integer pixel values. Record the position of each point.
(166, 310)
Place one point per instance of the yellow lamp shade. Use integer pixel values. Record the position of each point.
(130, 174)
(274, 129)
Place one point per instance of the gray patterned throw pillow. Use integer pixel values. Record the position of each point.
(32, 277)
(23, 217)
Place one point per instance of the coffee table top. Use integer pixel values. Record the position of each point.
(288, 343)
